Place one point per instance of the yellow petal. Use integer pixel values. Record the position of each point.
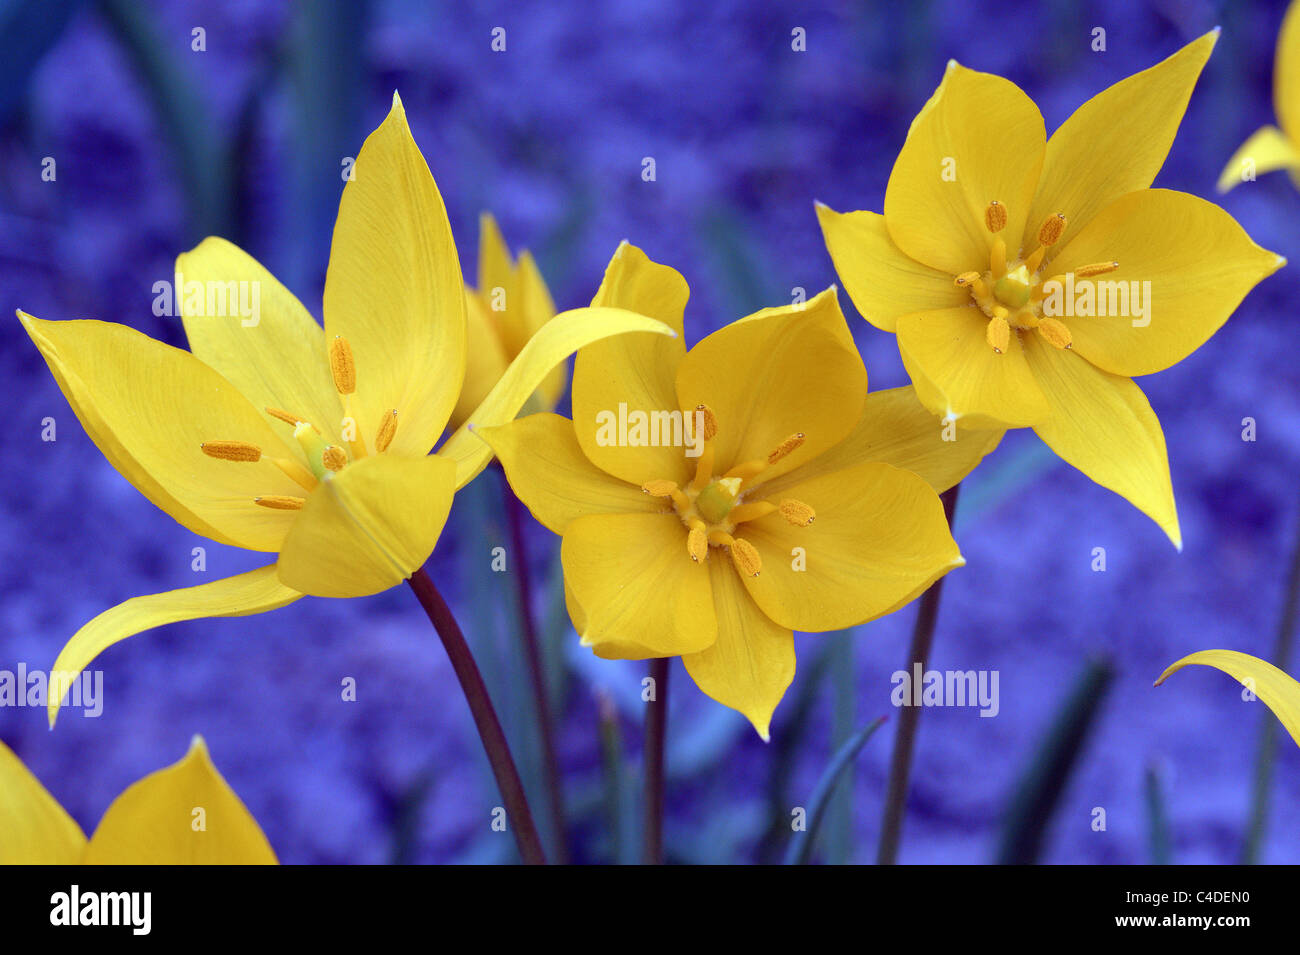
(1199, 262)
(149, 407)
(538, 309)
(957, 375)
(394, 290)
(277, 357)
(186, 814)
(895, 428)
(880, 539)
(1278, 691)
(779, 372)
(34, 828)
(368, 527)
(256, 591)
(1117, 141)
(978, 139)
(1268, 149)
(551, 475)
(486, 360)
(752, 663)
(634, 370)
(637, 586)
(882, 281)
(1104, 426)
(498, 285)
(555, 341)
(1286, 73)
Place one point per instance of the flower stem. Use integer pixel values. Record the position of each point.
(485, 717)
(537, 674)
(1267, 750)
(900, 765)
(656, 727)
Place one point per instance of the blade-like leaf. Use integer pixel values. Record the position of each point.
(801, 847)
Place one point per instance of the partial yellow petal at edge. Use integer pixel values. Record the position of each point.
(254, 592)
(1266, 150)
(1279, 691)
(186, 814)
(34, 828)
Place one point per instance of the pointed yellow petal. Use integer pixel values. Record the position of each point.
(186, 814)
(1278, 691)
(486, 362)
(1286, 73)
(551, 475)
(149, 407)
(254, 592)
(637, 586)
(34, 828)
(957, 375)
(978, 139)
(1268, 149)
(895, 428)
(779, 372)
(752, 663)
(1199, 262)
(880, 538)
(882, 281)
(368, 527)
(277, 357)
(636, 370)
(1117, 141)
(1104, 426)
(394, 290)
(498, 285)
(555, 341)
(538, 309)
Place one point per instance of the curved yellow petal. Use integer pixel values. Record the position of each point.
(1199, 264)
(895, 428)
(978, 139)
(1266, 150)
(149, 407)
(486, 360)
(880, 538)
(554, 479)
(1286, 73)
(276, 357)
(1104, 426)
(1278, 691)
(637, 585)
(34, 828)
(369, 526)
(958, 376)
(394, 291)
(633, 370)
(752, 663)
(254, 592)
(1117, 141)
(538, 309)
(779, 372)
(555, 341)
(186, 814)
(882, 282)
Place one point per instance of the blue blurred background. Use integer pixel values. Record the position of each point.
(158, 145)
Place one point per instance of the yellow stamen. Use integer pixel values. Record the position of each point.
(747, 469)
(1049, 233)
(703, 467)
(697, 542)
(280, 502)
(286, 417)
(387, 428)
(231, 450)
(661, 487)
(786, 447)
(966, 278)
(998, 258)
(1035, 260)
(1097, 268)
(998, 334)
(342, 366)
(797, 512)
(995, 216)
(710, 421)
(1055, 332)
(334, 458)
(751, 511)
(745, 556)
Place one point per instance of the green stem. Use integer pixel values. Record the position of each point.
(656, 727)
(485, 716)
(900, 765)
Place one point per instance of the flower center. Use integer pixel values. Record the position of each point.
(323, 460)
(712, 508)
(1011, 294)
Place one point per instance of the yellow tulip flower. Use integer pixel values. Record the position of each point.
(507, 309)
(1271, 148)
(276, 435)
(773, 499)
(1278, 691)
(1028, 280)
(185, 814)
